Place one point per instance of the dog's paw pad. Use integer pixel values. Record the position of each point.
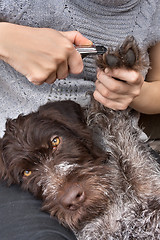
(130, 58)
(127, 55)
(112, 60)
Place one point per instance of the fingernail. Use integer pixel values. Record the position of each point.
(106, 70)
(90, 43)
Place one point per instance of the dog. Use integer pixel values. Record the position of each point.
(90, 166)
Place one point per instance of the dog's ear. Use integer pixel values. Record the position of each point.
(14, 126)
(71, 115)
(4, 173)
(2, 167)
(65, 110)
(9, 148)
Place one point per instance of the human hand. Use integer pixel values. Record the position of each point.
(41, 54)
(116, 94)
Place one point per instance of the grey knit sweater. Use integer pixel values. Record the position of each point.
(103, 22)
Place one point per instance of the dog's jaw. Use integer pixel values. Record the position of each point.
(86, 196)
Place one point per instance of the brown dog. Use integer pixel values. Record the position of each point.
(90, 168)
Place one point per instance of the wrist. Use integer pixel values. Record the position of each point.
(148, 100)
(139, 102)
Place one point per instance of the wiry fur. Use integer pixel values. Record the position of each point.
(134, 212)
(101, 180)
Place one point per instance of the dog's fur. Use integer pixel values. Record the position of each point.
(101, 179)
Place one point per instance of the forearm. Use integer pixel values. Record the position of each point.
(3, 30)
(148, 101)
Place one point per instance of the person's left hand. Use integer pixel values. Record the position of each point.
(116, 94)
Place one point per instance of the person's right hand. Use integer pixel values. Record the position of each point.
(41, 54)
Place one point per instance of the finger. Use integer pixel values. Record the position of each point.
(105, 101)
(62, 71)
(36, 82)
(105, 92)
(115, 105)
(77, 38)
(75, 63)
(112, 84)
(37, 77)
(52, 78)
(130, 76)
(125, 98)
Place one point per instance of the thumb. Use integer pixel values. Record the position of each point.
(77, 38)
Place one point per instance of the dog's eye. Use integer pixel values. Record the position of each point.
(55, 142)
(27, 173)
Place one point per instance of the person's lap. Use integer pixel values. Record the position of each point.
(21, 218)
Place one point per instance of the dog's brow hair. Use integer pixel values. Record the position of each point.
(54, 179)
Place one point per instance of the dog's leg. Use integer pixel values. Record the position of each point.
(122, 136)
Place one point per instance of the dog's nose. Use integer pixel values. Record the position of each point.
(73, 197)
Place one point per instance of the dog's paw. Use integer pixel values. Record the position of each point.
(127, 55)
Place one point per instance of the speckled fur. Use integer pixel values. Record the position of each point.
(134, 210)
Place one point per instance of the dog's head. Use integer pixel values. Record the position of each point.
(52, 154)
(56, 131)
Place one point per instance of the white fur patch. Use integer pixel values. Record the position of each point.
(54, 178)
(64, 168)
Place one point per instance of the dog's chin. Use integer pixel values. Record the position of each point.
(74, 219)
(77, 218)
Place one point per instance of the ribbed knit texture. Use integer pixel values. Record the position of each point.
(104, 22)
